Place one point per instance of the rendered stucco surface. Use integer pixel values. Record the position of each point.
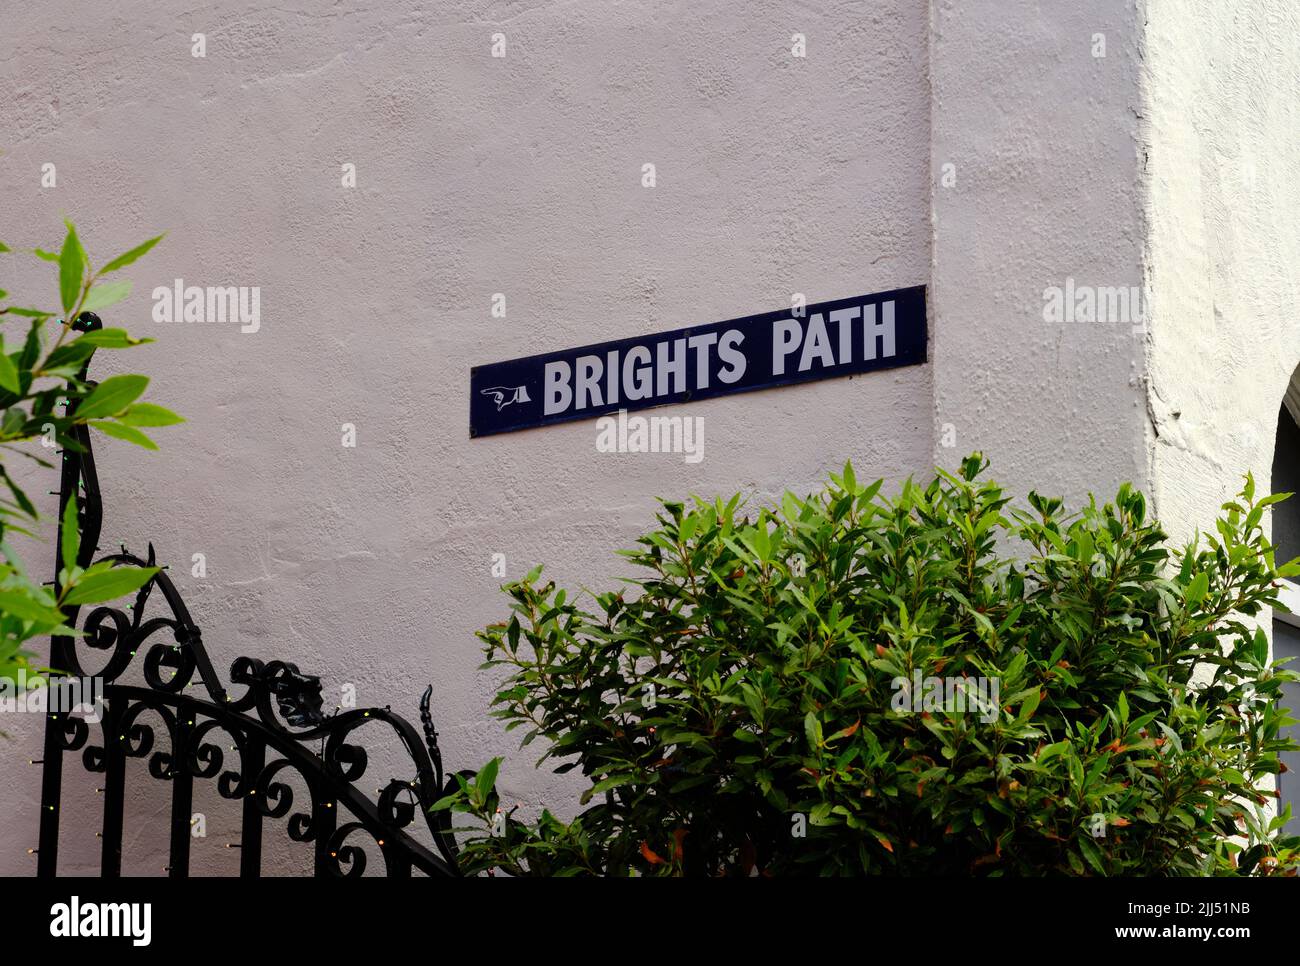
(1170, 163)
(1041, 134)
(475, 175)
(1222, 101)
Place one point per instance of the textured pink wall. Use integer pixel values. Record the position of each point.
(475, 175)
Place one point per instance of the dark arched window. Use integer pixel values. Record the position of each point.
(1286, 538)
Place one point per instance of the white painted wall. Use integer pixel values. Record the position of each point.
(1041, 133)
(1221, 107)
(475, 175)
(1221, 98)
(1170, 162)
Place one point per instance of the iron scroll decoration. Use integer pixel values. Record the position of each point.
(275, 724)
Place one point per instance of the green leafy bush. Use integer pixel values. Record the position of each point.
(43, 395)
(752, 706)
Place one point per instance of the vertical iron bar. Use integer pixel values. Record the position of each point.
(182, 797)
(62, 653)
(250, 839)
(325, 812)
(397, 861)
(61, 659)
(114, 786)
(47, 855)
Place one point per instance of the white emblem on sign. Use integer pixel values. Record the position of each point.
(503, 396)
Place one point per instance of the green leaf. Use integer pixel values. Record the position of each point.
(110, 339)
(72, 269)
(5, 248)
(812, 728)
(1029, 706)
(1092, 854)
(1197, 589)
(27, 607)
(119, 431)
(614, 781)
(1260, 646)
(70, 534)
(42, 254)
(127, 258)
(112, 396)
(12, 423)
(31, 345)
(148, 414)
(9, 374)
(15, 561)
(1053, 750)
(102, 587)
(71, 356)
(486, 780)
(109, 293)
(19, 496)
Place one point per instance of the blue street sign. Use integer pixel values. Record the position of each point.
(840, 338)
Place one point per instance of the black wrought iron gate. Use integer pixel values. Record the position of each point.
(270, 727)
